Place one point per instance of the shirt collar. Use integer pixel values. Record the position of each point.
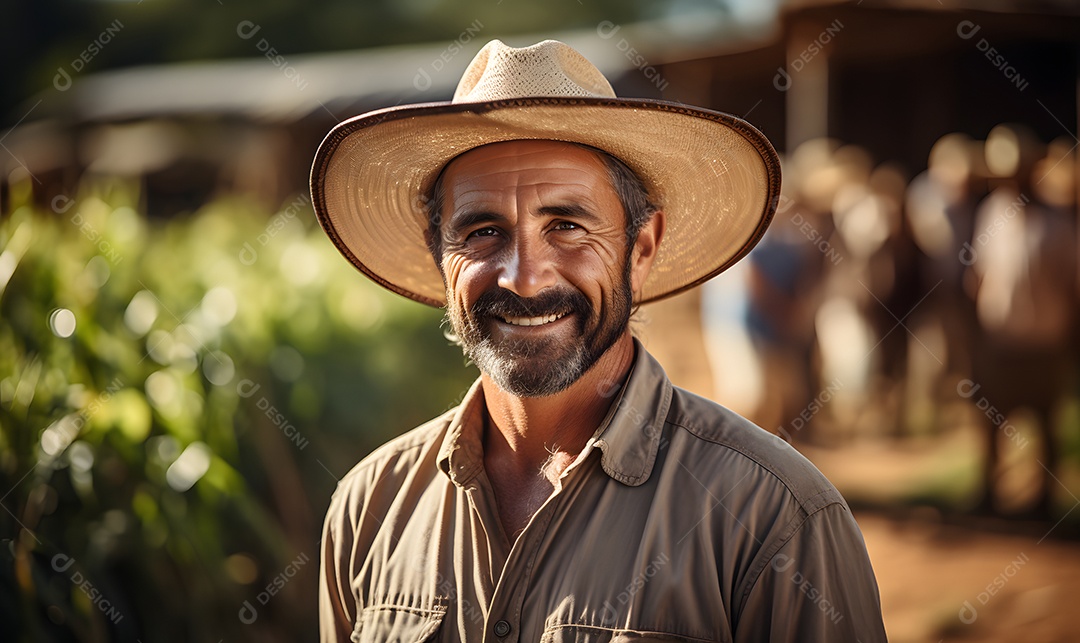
(629, 437)
(462, 453)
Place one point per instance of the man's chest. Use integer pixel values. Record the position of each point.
(596, 561)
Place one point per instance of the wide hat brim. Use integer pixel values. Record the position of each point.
(714, 175)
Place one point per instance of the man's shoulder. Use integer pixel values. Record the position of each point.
(401, 454)
(717, 433)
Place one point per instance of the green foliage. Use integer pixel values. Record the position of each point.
(166, 459)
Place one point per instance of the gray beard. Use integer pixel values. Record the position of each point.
(542, 367)
(521, 370)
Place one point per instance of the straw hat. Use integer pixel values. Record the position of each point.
(715, 176)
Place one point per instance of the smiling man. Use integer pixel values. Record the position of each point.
(575, 494)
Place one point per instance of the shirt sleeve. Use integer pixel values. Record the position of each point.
(818, 586)
(337, 604)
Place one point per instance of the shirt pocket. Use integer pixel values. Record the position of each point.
(397, 624)
(588, 634)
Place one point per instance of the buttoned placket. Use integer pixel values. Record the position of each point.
(502, 622)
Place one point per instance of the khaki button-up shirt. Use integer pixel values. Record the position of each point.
(679, 521)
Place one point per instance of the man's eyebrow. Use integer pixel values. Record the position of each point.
(469, 218)
(571, 211)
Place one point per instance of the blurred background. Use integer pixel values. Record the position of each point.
(187, 366)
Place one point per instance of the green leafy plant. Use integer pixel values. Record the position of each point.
(177, 400)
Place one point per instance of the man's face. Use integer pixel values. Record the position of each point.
(534, 255)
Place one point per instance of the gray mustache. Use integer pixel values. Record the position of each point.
(504, 303)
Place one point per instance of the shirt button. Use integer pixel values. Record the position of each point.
(502, 628)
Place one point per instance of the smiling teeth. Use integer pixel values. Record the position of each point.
(532, 321)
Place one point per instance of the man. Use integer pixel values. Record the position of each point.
(575, 494)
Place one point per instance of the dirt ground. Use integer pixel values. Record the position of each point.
(952, 575)
(952, 583)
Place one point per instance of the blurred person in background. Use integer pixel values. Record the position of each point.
(940, 209)
(879, 276)
(783, 280)
(1023, 262)
(575, 494)
(844, 339)
(755, 323)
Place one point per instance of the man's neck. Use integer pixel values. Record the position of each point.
(530, 435)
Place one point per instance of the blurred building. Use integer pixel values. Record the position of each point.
(187, 131)
(895, 76)
(892, 76)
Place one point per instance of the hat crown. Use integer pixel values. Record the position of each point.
(548, 68)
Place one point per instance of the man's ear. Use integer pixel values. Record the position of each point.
(645, 249)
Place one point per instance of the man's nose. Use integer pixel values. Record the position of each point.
(527, 268)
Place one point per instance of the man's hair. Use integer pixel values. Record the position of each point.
(631, 190)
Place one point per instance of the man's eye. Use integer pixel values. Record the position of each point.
(566, 225)
(483, 232)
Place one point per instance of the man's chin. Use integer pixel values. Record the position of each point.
(543, 363)
(537, 375)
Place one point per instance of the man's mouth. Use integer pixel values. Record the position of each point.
(533, 321)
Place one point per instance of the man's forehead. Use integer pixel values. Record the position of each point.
(523, 154)
(555, 172)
